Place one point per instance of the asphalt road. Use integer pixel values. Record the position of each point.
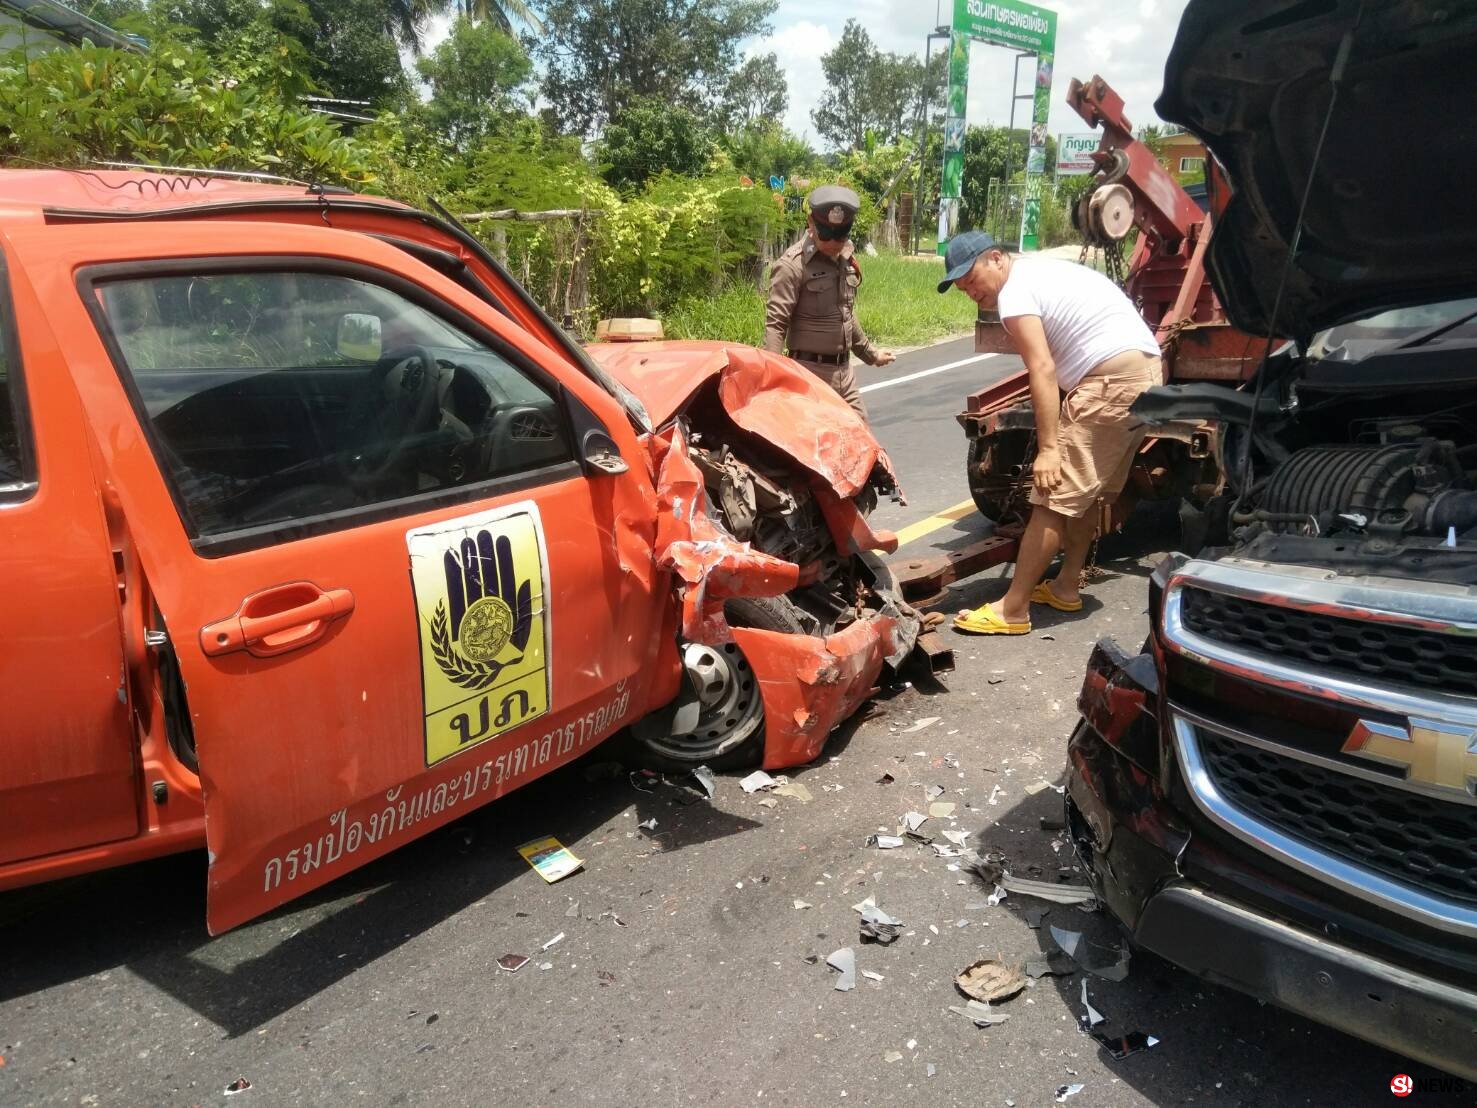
(682, 976)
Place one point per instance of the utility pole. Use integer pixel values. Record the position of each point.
(939, 31)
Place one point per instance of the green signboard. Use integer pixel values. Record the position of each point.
(1000, 23)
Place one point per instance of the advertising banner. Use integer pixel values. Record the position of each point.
(1020, 26)
(1074, 153)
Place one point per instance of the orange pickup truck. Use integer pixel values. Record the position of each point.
(318, 533)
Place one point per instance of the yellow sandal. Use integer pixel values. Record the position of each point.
(984, 620)
(1042, 594)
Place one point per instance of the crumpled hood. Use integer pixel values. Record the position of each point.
(765, 394)
(1389, 220)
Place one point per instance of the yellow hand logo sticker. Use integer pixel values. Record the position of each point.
(480, 586)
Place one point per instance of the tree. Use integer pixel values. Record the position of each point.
(756, 90)
(478, 79)
(871, 91)
(844, 111)
(355, 53)
(600, 55)
(501, 12)
(765, 149)
(649, 137)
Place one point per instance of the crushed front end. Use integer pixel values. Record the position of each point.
(764, 478)
(1236, 818)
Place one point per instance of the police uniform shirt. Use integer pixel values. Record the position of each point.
(811, 304)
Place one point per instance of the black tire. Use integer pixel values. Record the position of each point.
(663, 755)
(988, 470)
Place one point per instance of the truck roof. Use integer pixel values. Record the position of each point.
(122, 192)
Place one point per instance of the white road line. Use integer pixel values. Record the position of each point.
(925, 372)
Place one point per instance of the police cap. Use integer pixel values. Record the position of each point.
(834, 205)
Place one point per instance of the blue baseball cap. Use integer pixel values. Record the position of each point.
(960, 257)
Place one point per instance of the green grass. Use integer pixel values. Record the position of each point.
(898, 305)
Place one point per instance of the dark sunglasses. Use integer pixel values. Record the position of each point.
(828, 233)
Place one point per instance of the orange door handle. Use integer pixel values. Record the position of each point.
(277, 620)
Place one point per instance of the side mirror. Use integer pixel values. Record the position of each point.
(360, 337)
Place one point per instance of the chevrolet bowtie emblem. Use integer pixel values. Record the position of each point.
(1438, 755)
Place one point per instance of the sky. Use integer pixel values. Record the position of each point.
(1125, 41)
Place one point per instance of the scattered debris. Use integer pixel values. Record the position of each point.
(958, 838)
(756, 781)
(996, 792)
(843, 961)
(550, 858)
(942, 809)
(926, 721)
(1121, 1046)
(911, 821)
(933, 792)
(546, 965)
(884, 842)
(801, 905)
(996, 897)
(608, 914)
(811, 959)
(893, 1056)
(886, 779)
(573, 911)
(705, 779)
(240, 1085)
(793, 789)
(1039, 786)
(1034, 916)
(1064, 1091)
(982, 1014)
(1048, 824)
(1109, 963)
(930, 1069)
(991, 979)
(555, 941)
(767, 802)
(911, 1044)
(1058, 893)
(643, 778)
(648, 825)
(513, 962)
(1091, 1017)
(833, 788)
(947, 851)
(996, 676)
(872, 975)
(1056, 964)
(877, 926)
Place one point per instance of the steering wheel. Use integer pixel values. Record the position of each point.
(399, 401)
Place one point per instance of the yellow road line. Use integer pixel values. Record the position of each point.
(941, 519)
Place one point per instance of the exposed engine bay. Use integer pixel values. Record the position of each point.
(1364, 468)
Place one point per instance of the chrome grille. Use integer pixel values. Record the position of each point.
(1412, 839)
(1361, 649)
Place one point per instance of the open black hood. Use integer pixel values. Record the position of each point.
(1391, 219)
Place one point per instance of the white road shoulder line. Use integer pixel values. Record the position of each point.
(925, 372)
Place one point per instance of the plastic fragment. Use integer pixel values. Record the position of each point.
(756, 781)
(886, 779)
(573, 911)
(884, 842)
(930, 1069)
(1064, 1091)
(933, 792)
(240, 1085)
(872, 975)
(550, 858)
(878, 926)
(705, 779)
(1091, 1017)
(958, 838)
(991, 979)
(1054, 891)
(942, 809)
(1121, 1046)
(1109, 963)
(801, 905)
(1038, 786)
(843, 961)
(767, 802)
(1054, 965)
(982, 1014)
(911, 821)
(793, 789)
(555, 941)
(926, 721)
(513, 962)
(648, 825)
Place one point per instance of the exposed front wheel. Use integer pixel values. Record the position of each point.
(719, 718)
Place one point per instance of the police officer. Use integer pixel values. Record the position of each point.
(812, 293)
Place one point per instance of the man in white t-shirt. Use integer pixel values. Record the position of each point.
(1089, 355)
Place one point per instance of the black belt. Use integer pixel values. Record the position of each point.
(823, 359)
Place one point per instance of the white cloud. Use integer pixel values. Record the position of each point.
(799, 47)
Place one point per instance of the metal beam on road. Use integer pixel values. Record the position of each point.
(925, 372)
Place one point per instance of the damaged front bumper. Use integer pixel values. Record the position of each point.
(1220, 911)
(809, 683)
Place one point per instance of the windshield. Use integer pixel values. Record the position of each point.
(1349, 342)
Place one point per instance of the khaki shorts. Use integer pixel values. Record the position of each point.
(1097, 437)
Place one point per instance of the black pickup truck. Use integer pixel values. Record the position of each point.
(1277, 793)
